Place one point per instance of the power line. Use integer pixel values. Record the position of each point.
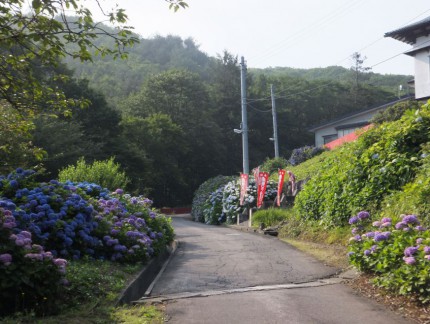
(330, 82)
(305, 31)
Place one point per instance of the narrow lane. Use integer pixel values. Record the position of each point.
(213, 275)
(214, 257)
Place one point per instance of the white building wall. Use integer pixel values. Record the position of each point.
(422, 74)
(331, 129)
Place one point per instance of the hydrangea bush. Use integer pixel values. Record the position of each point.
(71, 221)
(222, 204)
(398, 252)
(304, 153)
(231, 197)
(30, 276)
(202, 198)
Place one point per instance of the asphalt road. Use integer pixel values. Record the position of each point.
(220, 275)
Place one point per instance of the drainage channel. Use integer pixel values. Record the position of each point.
(208, 293)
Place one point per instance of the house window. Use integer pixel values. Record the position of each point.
(344, 132)
(329, 138)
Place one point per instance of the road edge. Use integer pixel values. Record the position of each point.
(145, 280)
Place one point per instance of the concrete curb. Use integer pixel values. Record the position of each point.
(145, 280)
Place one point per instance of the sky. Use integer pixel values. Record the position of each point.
(285, 33)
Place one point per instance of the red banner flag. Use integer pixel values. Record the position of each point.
(263, 177)
(243, 187)
(281, 176)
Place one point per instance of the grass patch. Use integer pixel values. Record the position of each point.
(93, 290)
(269, 217)
(329, 245)
(330, 254)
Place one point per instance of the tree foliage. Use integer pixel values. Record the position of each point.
(34, 39)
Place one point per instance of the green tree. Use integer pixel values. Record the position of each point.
(183, 96)
(155, 150)
(37, 38)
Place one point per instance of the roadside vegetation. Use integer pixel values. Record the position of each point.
(68, 249)
(369, 198)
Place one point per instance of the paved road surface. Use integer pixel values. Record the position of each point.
(220, 275)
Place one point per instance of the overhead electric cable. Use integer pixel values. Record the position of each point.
(300, 35)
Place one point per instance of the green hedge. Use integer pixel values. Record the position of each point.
(362, 174)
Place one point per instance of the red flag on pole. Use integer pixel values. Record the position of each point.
(243, 187)
(263, 177)
(281, 176)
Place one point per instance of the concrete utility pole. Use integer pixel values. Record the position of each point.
(275, 123)
(244, 128)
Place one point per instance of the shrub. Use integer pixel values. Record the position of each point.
(394, 112)
(273, 165)
(71, 220)
(106, 173)
(202, 195)
(361, 174)
(30, 277)
(269, 217)
(399, 254)
(66, 220)
(231, 197)
(304, 153)
(212, 209)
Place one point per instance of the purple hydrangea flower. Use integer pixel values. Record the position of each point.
(411, 219)
(419, 240)
(119, 191)
(427, 249)
(6, 259)
(386, 220)
(60, 262)
(381, 236)
(355, 238)
(350, 253)
(363, 214)
(353, 220)
(409, 260)
(367, 252)
(410, 251)
(373, 248)
(401, 225)
(34, 256)
(377, 223)
(420, 228)
(370, 234)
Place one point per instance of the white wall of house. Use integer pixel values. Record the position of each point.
(422, 69)
(325, 131)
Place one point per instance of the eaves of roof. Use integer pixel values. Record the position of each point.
(410, 33)
(355, 114)
(414, 50)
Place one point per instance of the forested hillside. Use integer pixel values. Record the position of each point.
(167, 114)
(390, 82)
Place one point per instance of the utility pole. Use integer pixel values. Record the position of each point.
(275, 123)
(244, 116)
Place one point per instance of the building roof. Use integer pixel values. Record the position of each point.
(358, 113)
(410, 33)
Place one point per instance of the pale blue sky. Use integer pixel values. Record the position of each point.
(299, 34)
